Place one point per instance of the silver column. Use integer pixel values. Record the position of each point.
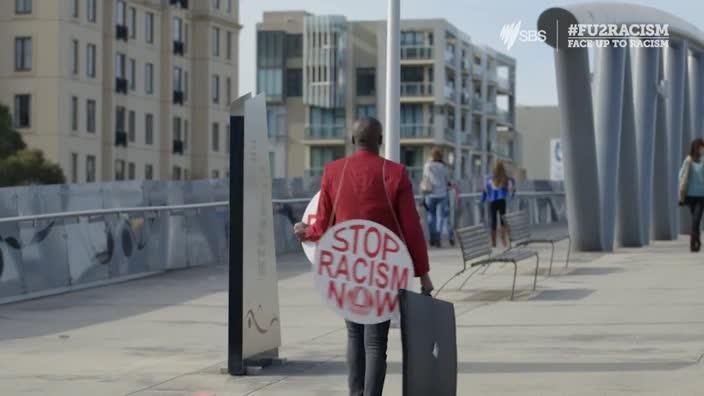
(675, 68)
(696, 93)
(578, 147)
(685, 225)
(645, 93)
(629, 220)
(661, 163)
(392, 133)
(608, 108)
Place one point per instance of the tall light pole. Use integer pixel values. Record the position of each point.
(392, 145)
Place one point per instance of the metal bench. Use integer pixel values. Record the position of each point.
(474, 243)
(519, 234)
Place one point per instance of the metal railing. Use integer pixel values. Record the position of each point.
(416, 89)
(335, 131)
(477, 70)
(477, 104)
(449, 134)
(416, 131)
(416, 52)
(503, 116)
(504, 84)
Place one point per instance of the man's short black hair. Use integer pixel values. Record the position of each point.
(367, 131)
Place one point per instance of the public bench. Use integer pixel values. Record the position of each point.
(520, 234)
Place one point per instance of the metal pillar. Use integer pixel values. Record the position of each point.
(392, 137)
(661, 162)
(578, 147)
(608, 109)
(696, 93)
(675, 68)
(685, 224)
(645, 93)
(629, 221)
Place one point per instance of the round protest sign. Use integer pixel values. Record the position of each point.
(310, 247)
(359, 268)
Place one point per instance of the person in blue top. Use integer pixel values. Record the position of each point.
(691, 189)
(499, 187)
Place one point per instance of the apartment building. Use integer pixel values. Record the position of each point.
(321, 72)
(122, 89)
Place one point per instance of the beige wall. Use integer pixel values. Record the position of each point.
(537, 124)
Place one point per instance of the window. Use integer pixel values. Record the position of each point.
(228, 49)
(366, 81)
(90, 60)
(216, 41)
(74, 113)
(176, 132)
(176, 173)
(228, 90)
(149, 78)
(132, 27)
(272, 163)
(148, 172)
(215, 140)
(132, 126)
(120, 119)
(149, 27)
(294, 45)
(319, 156)
(186, 128)
(74, 57)
(185, 38)
(90, 115)
(120, 11)
(149, 129)
(294, 83)
(216, 4)
(227, 138)
(131, 171)
(215, 174)
(216, 88)
(185, 86)
(177, 29)
(133, 74)
(74, 8)
(119, 170)
(270, 82)
(120, 66)
(23, 53)
(368, 110)
(90, 168)
(74, 168)
(229, 6)
(91, 10)
(23, 111)
(23, 6)
(178, 79)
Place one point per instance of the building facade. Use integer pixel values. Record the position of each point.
(321, 73)
(538, 126)
(122, 89)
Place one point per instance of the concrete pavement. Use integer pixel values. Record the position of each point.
(625, 323)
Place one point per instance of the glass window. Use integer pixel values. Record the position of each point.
(74, 56)
(177, 29)
(176, 173)
(90, 115)
(270, 81)
(228, 90)
(216, 4)
(23, 111)
(228, 49)
(229, 6)
(90, 60)
(149, 78)
(216, 41)
(294, 83)
(120, 119)
(176, 129)
(91, 10)
(148, 171)
(132, 27)
(366, 81)
(132, 126)
(216, 88)
(133, 74)
(294, 45)
(90, 169)
(23, 53)
(149, 27)
(74, 8)
(324, 116)
(23, 6)
(119, 65)
(74, 168)
(120, 11)
(411, 114)
(319, 156)
(178, 79)
(149, 129)
(186, 128)
(131, 171)
(119, 170)
(74, 113)
(215, 140)
(368, 110)
(185, 86)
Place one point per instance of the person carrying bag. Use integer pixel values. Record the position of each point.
(691, 190)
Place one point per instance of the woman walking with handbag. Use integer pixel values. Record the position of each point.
(691, 189)
(435, 184)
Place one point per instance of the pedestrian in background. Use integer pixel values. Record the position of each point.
(691, 189)
(435, 184)
(499, 187)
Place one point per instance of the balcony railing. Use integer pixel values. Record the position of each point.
(450, 93)
(449, 134)
(450, 58)
(490, 108)
(416, 52)
(477, 69)
(501, 149)
(415, 173)
(470, 140)
(503, 116)
(314, 172)
(466, 66)
(416, 131)
(465, 98)
(477, 104)
(492, 77)
(416, 89)
(325, 132)
(504, 83)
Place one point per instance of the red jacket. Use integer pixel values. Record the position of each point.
(362, 197)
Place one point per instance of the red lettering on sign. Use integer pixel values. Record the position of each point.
(343, 268)
(326, 258)
(367, 244)
(361, 301)
(341, 239)
(339, 296)
(390, 246)
(355, 238)
(386, 302)
(399, 282)
(360, 262)
(371, 273)
(383, 271)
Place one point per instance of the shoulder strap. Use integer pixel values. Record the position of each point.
(391, 206)
(337, 195)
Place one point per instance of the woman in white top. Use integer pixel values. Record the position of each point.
(437, 176)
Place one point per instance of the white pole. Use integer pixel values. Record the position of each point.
(392, 145)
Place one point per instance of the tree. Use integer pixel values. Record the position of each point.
(19, 165)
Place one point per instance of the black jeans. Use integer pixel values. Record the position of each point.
(696, 207)
(366, 358)
(496, 211)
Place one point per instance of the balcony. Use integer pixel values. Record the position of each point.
(501, 149)
(416, 52)
(503, 116)
(469, 139)
(416, 89)
(450, 93)
(449, 135)
(415, 173)
(465, 98)
(179, 48)
(477, 70)
(182, 3)
(466, 66)
(477, 104)
(416, 131)
(504, 84)
(177, 147)
(178, 97)
(314, 172)
(121, 33)
(325, 132)
(121, 85)
(121, 138)
(492, 77)
(450, 58)
(490, 109)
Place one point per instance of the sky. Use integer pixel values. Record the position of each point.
(480, 19)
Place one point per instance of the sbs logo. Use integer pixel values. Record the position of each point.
(510, 33)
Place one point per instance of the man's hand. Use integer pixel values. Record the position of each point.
(426, 284)
(300, 230)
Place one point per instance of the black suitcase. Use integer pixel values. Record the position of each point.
(429, 345)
